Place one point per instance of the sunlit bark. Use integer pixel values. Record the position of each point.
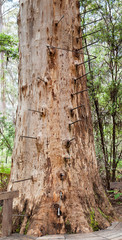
(62, 185)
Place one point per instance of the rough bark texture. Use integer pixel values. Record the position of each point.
(63, 185)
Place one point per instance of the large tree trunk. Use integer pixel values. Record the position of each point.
(63, 185)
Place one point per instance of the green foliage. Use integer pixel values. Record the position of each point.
(94, 223)
(17, 223)
(7, 133)
(4, 169)
(116, 193)
(26, 227)
(68, 227)
(103, 214)
(9, 45)
(18, 229)
(4, 176)
(120, 164)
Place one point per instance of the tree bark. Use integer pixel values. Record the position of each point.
(57, 153)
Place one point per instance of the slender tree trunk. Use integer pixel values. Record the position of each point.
(0, 57)
(100, 124)
(114, 95)
(114, 149)
(103, 144)
(54, 162)
(3, 86)
(2, 74)
(1, 16)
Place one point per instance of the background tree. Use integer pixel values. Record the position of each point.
(8, 76)
(104, 82)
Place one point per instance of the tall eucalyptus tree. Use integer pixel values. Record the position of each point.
(54, 165)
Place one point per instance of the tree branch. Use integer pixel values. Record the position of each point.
(8, 145)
